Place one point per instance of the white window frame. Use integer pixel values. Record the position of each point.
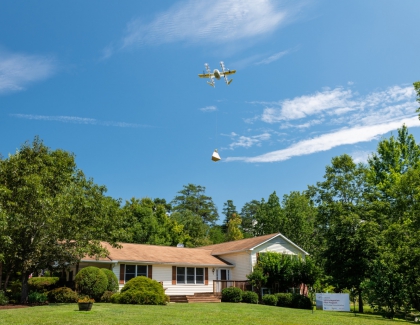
(196, 276)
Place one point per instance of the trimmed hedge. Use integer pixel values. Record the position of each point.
(61, 295)
(250, 297)
(42, 284)
(232, 294)
(112, 280)
(284, 300)
(106, 297)
(292, 300)
(143, 291)
(270, 300)
(91, 281)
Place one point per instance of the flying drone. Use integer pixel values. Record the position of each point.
(217, 74)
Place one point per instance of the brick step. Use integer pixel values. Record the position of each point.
(202, 298)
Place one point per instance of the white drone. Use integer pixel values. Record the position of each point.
(217, 74)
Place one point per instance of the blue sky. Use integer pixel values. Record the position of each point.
(116, 84)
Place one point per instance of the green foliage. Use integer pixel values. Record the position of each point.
(106, 297)
(250, 297)
(42, 284)
(270, 300)
(257, 278)
(51, 214)
(269, 216)
(91, 281)
(62, 295)
(37, 297)
(284, 299)
(3, 298)
(301, 302)
(141, 290)
(232, 294)
(113, 285)
(192, 198)
(233, 228)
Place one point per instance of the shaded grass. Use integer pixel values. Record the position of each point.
(182, 314)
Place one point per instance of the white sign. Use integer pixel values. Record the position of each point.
(333, 301)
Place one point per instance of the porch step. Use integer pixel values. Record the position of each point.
(178, 299)
(203, 297)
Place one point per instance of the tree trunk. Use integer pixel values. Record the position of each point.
(360, 302)
(6, 281)
(1, 272)
(24, 292)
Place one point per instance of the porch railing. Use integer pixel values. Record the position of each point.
(219, 285)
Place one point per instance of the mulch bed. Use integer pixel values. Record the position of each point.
(13, 306)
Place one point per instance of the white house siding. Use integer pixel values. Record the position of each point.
(278, 245)
(241, 261)
(163, 273)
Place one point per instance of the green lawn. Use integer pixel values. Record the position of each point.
(181, 314)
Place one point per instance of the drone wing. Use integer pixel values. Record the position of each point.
(228, 72)
(206, 75)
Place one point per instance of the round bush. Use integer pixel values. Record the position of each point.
(3, 298)
(42, 284)
(250, 297)
(301, 302)
(112, 280)
(91, 281)
(284, 299)
(141, 290)
(63, 294)
(270, 300)
(232, 294)
(106, 297)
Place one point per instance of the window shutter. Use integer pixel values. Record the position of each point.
(149, 272)
(122, 270)
(174, 275)
(206, 276)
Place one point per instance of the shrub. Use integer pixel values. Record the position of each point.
(232, 294)
(91, 281)
(270, 300)
(3, 298)
(141, 290)
(250, 297)
(106, 297)
(62, 295)
(37, 297)
(42, 284)
(301, 302)
(284, 299)
(112, 280)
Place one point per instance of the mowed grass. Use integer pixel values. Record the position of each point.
(181, 314)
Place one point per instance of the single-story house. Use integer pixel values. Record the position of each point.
(187, 271)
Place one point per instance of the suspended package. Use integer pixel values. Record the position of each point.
(215, 156)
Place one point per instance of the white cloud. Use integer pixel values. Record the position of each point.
(18, 70)
(303, 106)
(346, 136)
(78, 120)
(247, 142)
(272, 58)
(218, 21)
(208, 109)
(360, 156)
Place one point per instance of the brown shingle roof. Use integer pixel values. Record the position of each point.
(160, 255)
(239, 245)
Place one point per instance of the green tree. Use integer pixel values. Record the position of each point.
(54, 215)
(192, 198)
(195, 232)
(229, 209)
(148, 222)
(299, 220)
(269, 217)
(347, 230)
(248, 214)
(417, 89)
(233, 230)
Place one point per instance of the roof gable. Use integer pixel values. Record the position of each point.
(247, 244)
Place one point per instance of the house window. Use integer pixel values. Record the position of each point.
(190, 275)
(131, 271)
